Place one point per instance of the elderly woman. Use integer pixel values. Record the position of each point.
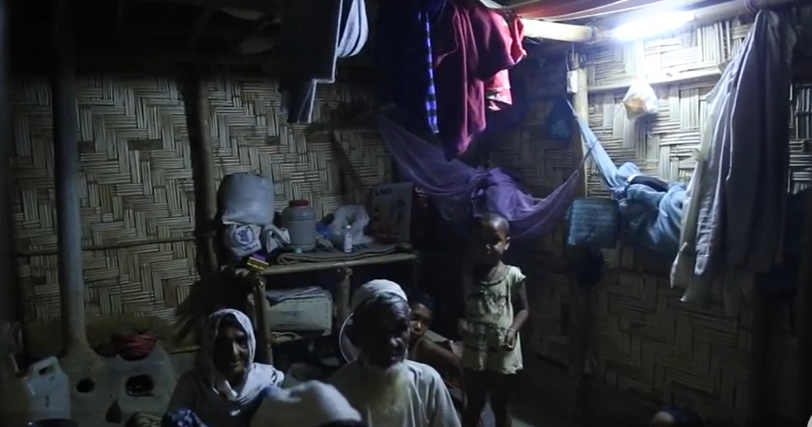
(226, 387)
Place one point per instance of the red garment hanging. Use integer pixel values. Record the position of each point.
(469, 49)
(497, 88)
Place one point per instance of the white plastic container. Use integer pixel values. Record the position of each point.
(43, 393)
(300, 220)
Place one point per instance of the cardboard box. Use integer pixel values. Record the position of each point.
(300, 309)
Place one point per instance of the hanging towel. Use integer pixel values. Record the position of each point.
(312, 38)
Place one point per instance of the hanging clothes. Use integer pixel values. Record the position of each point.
(403, 51)
(460, 191)
(651, 216)
(737, 194)
(497, 88)
(650, 210)
(469, 49)
(312, 39)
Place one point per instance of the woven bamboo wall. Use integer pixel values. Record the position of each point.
(136, 181)
(646, 342)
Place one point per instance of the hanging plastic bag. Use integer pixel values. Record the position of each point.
(246, 198)
(558, 122)
(640, 100)
(357, 218)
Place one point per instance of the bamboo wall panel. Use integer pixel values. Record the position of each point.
(136, 180)
(647, 343)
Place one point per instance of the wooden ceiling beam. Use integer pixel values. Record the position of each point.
(200, 24)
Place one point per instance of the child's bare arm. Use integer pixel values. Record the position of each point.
(435, 353)
(520, 307)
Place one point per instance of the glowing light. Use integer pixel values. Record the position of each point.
(652, 26)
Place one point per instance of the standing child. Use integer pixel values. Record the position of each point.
(495, 302)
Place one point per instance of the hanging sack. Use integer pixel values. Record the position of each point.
(558, 122)
(640, 100)
(594, 222)
(246, 198)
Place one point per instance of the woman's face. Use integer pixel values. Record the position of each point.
(230, 351)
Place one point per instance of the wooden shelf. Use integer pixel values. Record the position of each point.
(303, 267)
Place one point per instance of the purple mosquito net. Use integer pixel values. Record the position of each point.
(460, 191)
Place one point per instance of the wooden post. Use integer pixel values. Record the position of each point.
(803, 305)
(196, 98)
(66, 183)
(342, 297)
(8, 290)
(264, 352)
(580, 299)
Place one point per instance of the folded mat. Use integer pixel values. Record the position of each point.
(366, 251)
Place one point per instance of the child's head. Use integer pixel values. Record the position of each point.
(491, 238)
(673, 416)
(422, 307)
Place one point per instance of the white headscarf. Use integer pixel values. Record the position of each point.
(310, 404)
(375, 288)
(367, 291)
(257, 376)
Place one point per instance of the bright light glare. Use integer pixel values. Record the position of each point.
(653, 26)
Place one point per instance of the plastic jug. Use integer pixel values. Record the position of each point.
(300, 220)
(42, 394)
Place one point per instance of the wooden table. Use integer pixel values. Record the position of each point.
(341, 297)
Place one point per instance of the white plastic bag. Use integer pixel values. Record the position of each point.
(640, 100)
(357, 218)
(246, 198)
(242, 240)
(273, 238)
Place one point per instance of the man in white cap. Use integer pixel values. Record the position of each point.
(387, 389)
(310, 404)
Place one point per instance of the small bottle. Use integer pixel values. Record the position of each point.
(348, 239)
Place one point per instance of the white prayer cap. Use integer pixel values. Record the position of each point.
(310, 404)
(376, 288)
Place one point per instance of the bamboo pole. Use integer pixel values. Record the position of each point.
(581, 300)
(196, 99)
(8, 290)
(702, 16)
(803, 307)
(66, 183)
(561, 32)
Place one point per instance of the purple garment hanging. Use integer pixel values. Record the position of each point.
(460, 191)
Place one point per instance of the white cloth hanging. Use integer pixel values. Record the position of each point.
(733, 214)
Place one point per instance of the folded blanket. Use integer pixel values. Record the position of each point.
(367, 251)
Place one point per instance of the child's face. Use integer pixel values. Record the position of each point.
(420, 320)
(491, 242)
(663, 419)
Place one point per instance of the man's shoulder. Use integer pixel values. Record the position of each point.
(423, 373)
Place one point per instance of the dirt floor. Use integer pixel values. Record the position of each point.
(540, 401)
